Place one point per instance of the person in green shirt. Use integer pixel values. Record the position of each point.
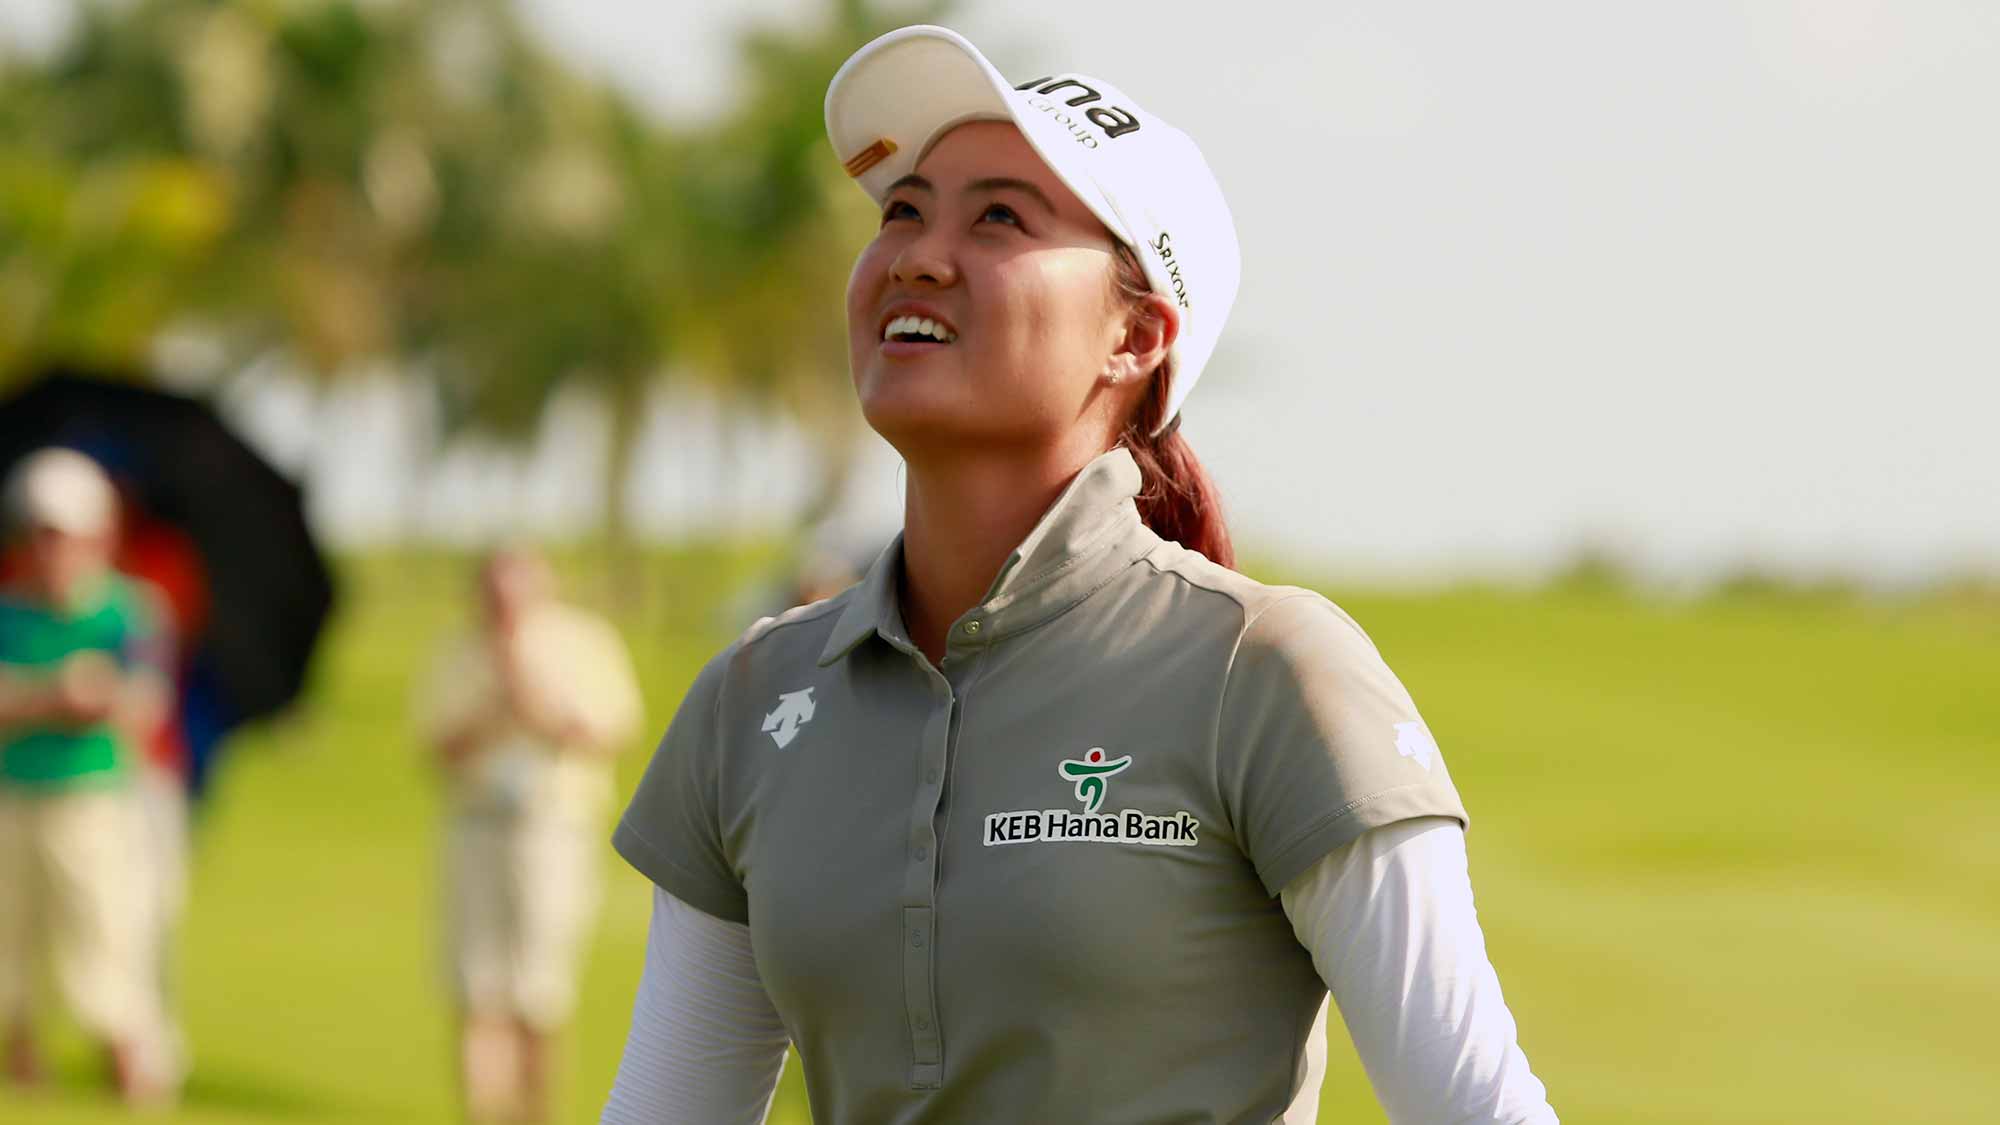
(82, 681)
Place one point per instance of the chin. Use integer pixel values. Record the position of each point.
(909, 422)
(913, 421)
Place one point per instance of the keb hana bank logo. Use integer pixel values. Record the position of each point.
(1091, 776)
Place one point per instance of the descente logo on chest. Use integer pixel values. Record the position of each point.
(1091, 776)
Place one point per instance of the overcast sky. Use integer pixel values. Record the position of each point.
(1708, 282)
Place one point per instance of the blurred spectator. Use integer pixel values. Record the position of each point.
(525, 713)
(821, 576)
(84, 666)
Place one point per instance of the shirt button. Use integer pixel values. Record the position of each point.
(916, 939)
(931, 775)
(923, 1023)
(972, 628)
(923, 853)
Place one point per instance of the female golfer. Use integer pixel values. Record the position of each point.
(1055, 816)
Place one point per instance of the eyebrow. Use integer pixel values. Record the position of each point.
(996, 183)
(990, 183)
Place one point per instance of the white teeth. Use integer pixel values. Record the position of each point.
(917, 326)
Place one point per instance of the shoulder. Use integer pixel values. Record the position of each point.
(576, 630)
(570, 618)
(1263, 619)
(150, 602)
(134, 603)
(804, 626)
(774, 650)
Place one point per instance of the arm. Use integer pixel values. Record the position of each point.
(146, 660)
(455, 705)
(86, 690)
(1389, 921)
(26, 700)
(461, 736)
(145, 700)
(706, 1045)
(531, 702)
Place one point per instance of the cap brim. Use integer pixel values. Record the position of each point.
(896, 96)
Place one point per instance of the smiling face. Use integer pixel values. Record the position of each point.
(984, 313)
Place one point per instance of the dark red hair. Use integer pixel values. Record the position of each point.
(1176, 497)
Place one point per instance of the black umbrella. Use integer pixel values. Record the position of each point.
(269, 589)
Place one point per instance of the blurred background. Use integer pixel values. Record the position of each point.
(1630, 374)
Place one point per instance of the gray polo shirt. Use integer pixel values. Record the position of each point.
(1037, 881)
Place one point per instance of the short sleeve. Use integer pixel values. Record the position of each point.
(1318, 742)
(579, 661)
(671, 832)
(146, 642)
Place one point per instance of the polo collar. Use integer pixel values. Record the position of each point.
(1087, 536)
(871, 608)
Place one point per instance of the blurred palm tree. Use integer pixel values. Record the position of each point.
(771, 222)
(420, 183)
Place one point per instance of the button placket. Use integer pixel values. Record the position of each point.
(921, 843)
(927, 1050)
(918, 944)
(919, 933)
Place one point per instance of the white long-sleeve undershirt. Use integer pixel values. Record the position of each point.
(1388, 919)
(1391, 928)
(706, 1046)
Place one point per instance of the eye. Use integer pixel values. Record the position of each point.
(1001, 213)
(899, 209)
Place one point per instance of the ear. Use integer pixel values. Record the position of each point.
(1151, 327)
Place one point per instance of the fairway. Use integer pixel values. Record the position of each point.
(1738, 860)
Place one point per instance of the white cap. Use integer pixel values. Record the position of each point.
(1142, 177)
(64, 490)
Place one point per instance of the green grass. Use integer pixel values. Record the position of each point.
(1737, 860)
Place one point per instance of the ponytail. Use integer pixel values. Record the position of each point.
(1177, 500)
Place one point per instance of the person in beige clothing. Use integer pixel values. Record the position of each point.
(525, 713)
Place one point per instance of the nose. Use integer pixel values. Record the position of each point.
(924, 260)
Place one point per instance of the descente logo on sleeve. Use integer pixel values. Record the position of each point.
(1091, 776)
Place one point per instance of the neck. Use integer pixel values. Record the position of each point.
(962, 517)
